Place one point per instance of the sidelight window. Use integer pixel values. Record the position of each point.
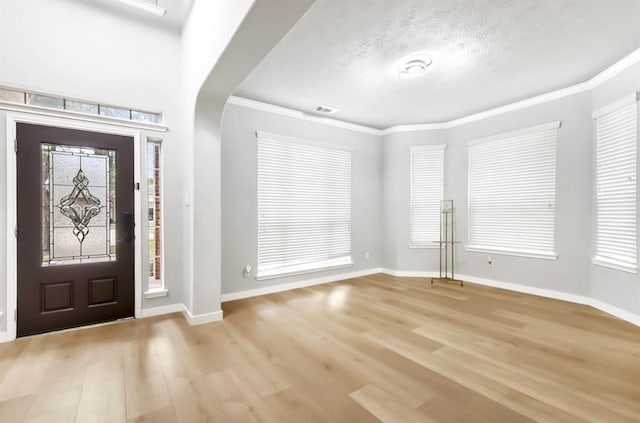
(155, 214)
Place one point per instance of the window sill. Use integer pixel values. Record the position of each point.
(610, 264)
(424, 246)
(156, 293)
(271, 275)
(542, 256)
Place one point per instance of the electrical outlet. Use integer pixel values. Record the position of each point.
(246, 271)
(490, 262)
(367, 256)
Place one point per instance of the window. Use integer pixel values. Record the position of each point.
(616, 185)
(304, 206)
(154, 179)
(427, 190)
(60, 103)
(512, 189)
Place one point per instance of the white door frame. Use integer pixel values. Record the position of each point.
(12, 120)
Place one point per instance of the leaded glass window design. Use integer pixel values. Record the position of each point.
(154, 174)
(79, 205)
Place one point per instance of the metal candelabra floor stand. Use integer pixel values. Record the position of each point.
(447, 244)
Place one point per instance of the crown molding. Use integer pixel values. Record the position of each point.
(592, 83)
(613, 70)
(284, 111)
(544, 98)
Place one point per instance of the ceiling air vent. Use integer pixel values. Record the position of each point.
(328, 110)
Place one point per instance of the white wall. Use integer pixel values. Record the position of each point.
(207, 32)
(570, 272)
(236, 50)
(79, 50)
(240, 196)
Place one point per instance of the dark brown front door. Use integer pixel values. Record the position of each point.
(75, 228)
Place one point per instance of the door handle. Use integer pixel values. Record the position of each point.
(128, 225)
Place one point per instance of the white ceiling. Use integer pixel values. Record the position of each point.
(486, 53)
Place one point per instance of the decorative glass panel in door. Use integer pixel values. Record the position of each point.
(79, 205)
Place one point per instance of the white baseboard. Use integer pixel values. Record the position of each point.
(158, 311)
(151, 312)
(217, 315)
(558, 295)
(541, 292)
(201, 319)
(615, 311)
(298, 284)
(191, 319)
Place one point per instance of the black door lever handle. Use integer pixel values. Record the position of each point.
(128, 224)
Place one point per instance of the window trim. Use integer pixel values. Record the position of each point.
(272, 275)
(517, 133)
(617, 105)
(514, 253)
(24, 107)
(261, 135)
(610, 264)
(415, 246)
(159, 291)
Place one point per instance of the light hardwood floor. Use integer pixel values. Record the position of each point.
(376, 348)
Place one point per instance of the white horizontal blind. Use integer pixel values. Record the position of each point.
(427, 190)
(616, 186)
(512, 190)
(304, 207)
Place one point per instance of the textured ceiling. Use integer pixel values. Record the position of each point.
(486, 53)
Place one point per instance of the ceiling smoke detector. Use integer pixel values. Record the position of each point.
(414, 66)
(328, 110)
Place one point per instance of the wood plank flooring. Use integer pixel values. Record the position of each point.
(370, 349)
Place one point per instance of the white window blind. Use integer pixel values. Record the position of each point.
(512, 190)
(427, 190)
(616, 186)
(304, 206)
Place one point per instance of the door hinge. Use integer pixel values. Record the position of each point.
(15, 315)
(16, 231)
(137, 186)
(15, 145)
